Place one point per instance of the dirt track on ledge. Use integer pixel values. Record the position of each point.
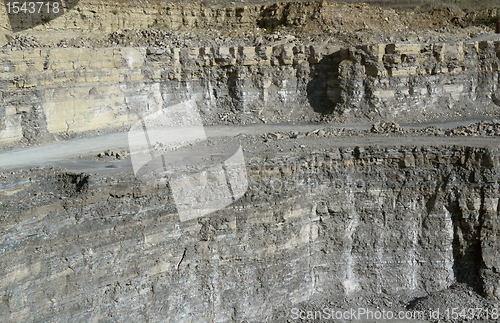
(82, 154)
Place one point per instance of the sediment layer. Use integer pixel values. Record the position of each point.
(51, 92)
(331, 224)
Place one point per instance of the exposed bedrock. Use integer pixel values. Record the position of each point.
(328, 225)
(101, 16)
(67, 91)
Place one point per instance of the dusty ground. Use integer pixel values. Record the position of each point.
(99, 152)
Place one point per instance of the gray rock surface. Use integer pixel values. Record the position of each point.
(357, 198)
(66, 92)
(346, 226)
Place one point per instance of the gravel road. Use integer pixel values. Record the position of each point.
(70, 153)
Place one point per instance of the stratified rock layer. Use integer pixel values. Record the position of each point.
(61, 91)
(327, 225)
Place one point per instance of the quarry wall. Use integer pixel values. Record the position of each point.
(324, 225)
(101, 17)
(49, 92)
(94, 16)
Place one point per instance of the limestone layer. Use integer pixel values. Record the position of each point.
(327, 225)
(51, 92)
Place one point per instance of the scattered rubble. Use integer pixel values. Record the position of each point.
(112, 153)
(386, 127)
(482, 128)
(21, 42)
(270, 25)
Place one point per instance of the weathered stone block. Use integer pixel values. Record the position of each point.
(383, 94)
(403, 48)
(264, 54)
(453, 88)
(392, 59)
(248, 55)
(454, 52)
(284, 54)
(133, 57)
(497, 48)
(10, 128)
(375, 51)
(402, 70)
(83, 108)
(225, 56)
(318, 52)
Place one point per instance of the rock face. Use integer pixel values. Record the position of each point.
(327, 225)
(408, 80)
(64, 91)
(101, 16)
(317, 224)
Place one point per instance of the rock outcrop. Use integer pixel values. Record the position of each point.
(67, 91)
(334, 224)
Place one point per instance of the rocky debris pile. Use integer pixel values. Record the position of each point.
(296, 135)
(483, 16)
(162, 38)
(459, 297)
(157, 37)
(427, 131)
(23, 42)
(269, 24)
(114, 154)
(149, 37)
(77, 42)
(482, 128)
(386, 127)
(318, 133)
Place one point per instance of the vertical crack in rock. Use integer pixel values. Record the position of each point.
(180, 260)
(350, 283)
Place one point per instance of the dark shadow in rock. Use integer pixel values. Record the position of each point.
(273, 16)
(34, 126)
(413, 303)
(323, 90)
(466, 247)
(26, 14)
(234, 88)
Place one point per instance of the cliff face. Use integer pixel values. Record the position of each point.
(326, 225)
(424, 80)
(63, 91)
(319, 223)
(91, 17)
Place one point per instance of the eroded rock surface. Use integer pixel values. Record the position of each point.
(328, 225)
(377, 214)
(71, 91)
